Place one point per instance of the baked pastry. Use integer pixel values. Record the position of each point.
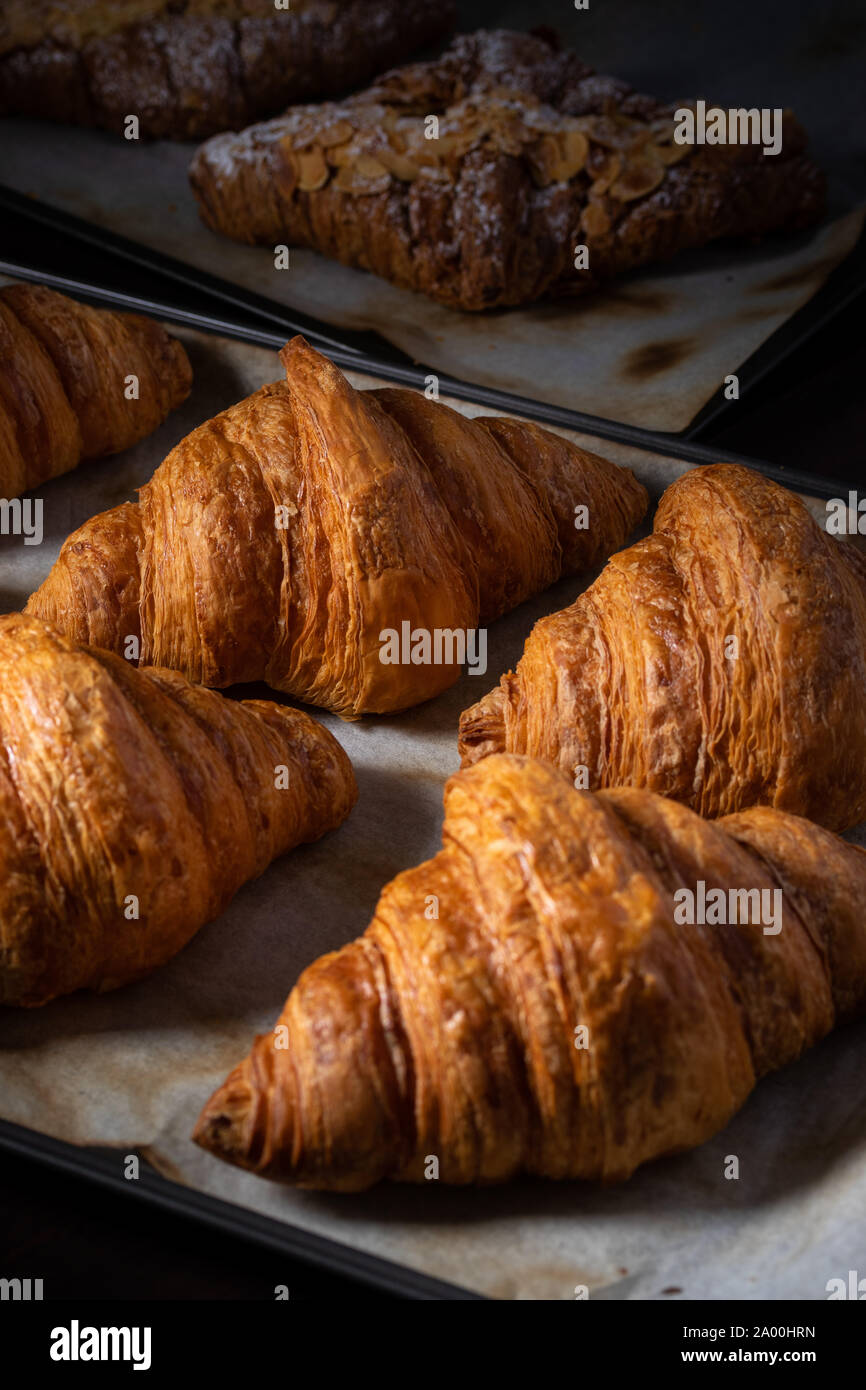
(188, 68)
(63, 383)
(721, 661)
(286, 539)
(134, 806)
(534, 999)
(535, 156)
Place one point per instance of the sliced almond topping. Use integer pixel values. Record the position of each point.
(641, 175)
(300, 131)
(446, 144)
(368, 167)
(459, 141)
(400, 165)
(605, 171)
(336, 134)
(396, 140)
(607, 131)
(426, 156)
(575, 149)
(623, 157)
(313, 171)
(337, 155)
(352, 178)
(407, 133)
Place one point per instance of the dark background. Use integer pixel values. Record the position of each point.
(810, 413)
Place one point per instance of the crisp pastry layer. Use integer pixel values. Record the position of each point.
(134, 806)
(65, 371)
(282, 540)
(530, 155)
(721, 661)
(534, 999)
(189, 68)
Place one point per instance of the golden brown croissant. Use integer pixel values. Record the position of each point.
(281, 540)
(64, 394)
(535, 1000)
(721, 661)
(134, 806)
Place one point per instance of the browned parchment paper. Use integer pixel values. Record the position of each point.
(131, 1070)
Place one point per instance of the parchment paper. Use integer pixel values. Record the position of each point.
(131, 1070)
(650, 351)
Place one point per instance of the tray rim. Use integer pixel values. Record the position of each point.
(91, 1163)
(844, 284)
(352, 359)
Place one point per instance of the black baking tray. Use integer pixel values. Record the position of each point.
(28, 248)
(29, 251)
(842, 287)
(100, 1166)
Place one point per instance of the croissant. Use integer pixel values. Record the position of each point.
(64, 393)
(534, 999)
(282, 540)
(721, 662)
(134, 806)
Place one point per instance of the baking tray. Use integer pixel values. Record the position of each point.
(233, 313)
(462, 1244)
(843, 286)
(101, 1169)
(650, 350)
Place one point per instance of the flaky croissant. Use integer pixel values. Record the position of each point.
(282, 539)
(65, 393)
(721, 661)
(134, 806)
(534, 1000)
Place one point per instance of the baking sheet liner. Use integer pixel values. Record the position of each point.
(649, 351)
(131, 1070)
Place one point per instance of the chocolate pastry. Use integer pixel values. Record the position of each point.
(532, 155)
(189, 68)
